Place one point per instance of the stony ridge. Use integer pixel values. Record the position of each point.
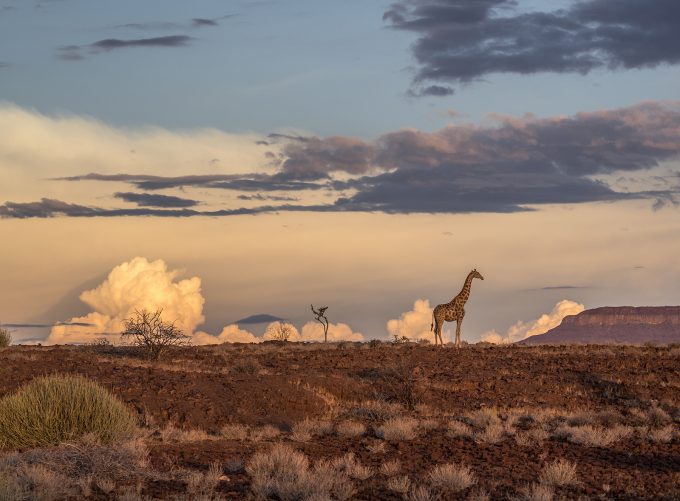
(616, 324)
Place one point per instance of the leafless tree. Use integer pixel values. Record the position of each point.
(321, 318)
(282, 332)
(152, 333)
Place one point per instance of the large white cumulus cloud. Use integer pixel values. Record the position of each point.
(230, 334)
(135, 285)
(522, 330)
(313, 331)
(415, 324)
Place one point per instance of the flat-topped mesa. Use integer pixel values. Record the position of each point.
(616, 324)
(626, 315)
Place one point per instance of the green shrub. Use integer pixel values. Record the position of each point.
(55, 409)
(5, 338)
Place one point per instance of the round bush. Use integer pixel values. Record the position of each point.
(55, 409)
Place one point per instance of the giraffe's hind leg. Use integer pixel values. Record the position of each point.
(438, 331)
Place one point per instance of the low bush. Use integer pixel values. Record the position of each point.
(558, 473)
(5, 338)
(285, 474)
(398, 429)
(452, 477)
(55, 409)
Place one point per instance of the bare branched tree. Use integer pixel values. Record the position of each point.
(152, 333)
(321, 318)
(282, 332)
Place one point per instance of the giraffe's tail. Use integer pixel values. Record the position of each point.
(432, 324)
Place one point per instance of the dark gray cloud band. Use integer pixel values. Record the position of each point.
(155, 200)
(77, 52)
(509, 167)
(463, 40)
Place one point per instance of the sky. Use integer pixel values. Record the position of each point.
(229, 159)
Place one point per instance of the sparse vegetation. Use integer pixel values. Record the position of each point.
(398, 429)
(592, 436)
(559, 473)
(400, 484)
(285, 473)
(152, 333)
(350, 428)
(5, 337)
(55, 409)
(451, 477)
(390, 468)
(205, 421)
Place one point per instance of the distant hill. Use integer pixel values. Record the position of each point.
(260, 318)
(615, 324)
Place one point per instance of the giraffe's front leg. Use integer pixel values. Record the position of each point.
(458, 322)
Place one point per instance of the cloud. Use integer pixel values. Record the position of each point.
(134, 285)
(313, 331)
(230, 334)
(522, 330)
(274, 198)
(459, 41)
(154, 200)
(415, 324)
(511, 165)
(166, 41)
(197, 22)
(76, 52)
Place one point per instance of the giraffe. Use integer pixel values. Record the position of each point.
(453, 310)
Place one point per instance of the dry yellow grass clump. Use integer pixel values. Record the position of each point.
(5, 338)
(55, 409)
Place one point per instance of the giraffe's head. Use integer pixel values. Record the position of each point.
(476, 274)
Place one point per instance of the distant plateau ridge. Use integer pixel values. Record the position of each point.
(615, 324)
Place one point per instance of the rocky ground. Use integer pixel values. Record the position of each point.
(574, 422)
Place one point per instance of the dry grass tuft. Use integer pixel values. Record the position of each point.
(351, 466)
(452, 477)
(400, 484)
(350, 428)
(304, 430)
(55, 409)
(663, 435)
(67, 471)
(456, 429)
(484, 417)
(422, 493)
(177, 435)
(203, 483)
(267, 432)
(398, 429)
(377, 410)
(5, 338)
(538, 492)
(479, 495)
(234, 432)
(591, 436)
(658, 417)
(428, 424)
(559, 473)
(492, 434)
(390, 468)
(285, 473)
(376, 448)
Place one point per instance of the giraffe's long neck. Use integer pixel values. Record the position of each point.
(464, 294)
